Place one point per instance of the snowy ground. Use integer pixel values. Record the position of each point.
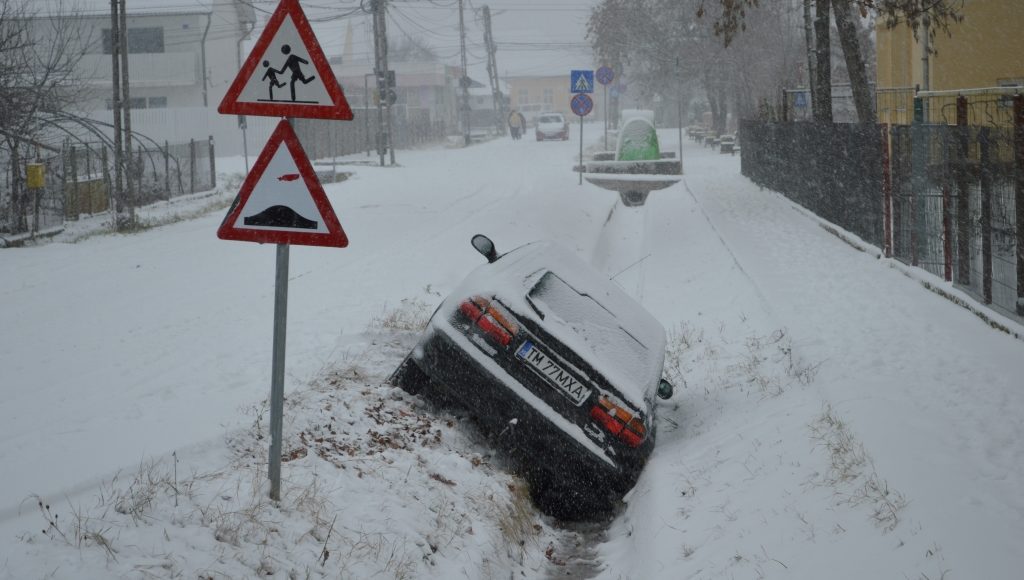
(833, 417)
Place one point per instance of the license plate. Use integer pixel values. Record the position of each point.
(556, 376)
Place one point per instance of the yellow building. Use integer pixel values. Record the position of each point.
(533, 95)
(984, 51)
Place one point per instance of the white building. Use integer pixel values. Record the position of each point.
(180, 54)
(182, 57)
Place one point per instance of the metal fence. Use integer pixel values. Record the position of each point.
(945, 197)
(78, 181)
(410, 127)
(834, 171)
(955, 208)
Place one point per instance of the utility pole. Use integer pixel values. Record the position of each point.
(126, 110)
(464, 81)
(380, 38)
(492, 72)
(115, 45)
(388, 141)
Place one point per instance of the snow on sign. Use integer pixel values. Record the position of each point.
(281, 200)
(287, 74)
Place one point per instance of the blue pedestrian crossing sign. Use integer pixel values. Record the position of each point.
(581, 81)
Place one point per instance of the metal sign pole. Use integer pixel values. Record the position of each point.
(277, 370)
(680, 133)
(605, 104)
(581, 149)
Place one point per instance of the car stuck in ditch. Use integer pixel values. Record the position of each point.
(557, 364)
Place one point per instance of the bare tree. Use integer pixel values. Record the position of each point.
(38, 57)
(667, 48)
(821, 98)
(730, 18)
(863, 100)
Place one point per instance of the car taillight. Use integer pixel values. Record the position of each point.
(619, 422)
(491, 318)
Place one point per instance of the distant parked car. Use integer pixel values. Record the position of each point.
(727, 144)
(552, 126)
(557, 364)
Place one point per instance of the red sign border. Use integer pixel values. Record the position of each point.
(335, 236)
(338, 110)
(582, 96)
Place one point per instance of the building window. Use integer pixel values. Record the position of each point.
(524, 96)
(158, 102)
(549, 96)
(140, 40)
(1007, 100)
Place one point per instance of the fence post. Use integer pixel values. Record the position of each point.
(886, 193)
(1018, 186)
(192, 165)
(213, 165)
(986, 215)
(918, 174)
(167, 169)
(75, 205)
(963, 192)
(947, 226)
(106, 180)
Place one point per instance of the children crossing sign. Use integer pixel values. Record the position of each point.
(581, 81)
(281, 200)
(287, 74)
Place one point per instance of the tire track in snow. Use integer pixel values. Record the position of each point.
(753, 283)
(578, 558)
(620, 251)
(623, 246)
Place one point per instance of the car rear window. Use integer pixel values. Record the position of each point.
(596, 328)
(550, 119)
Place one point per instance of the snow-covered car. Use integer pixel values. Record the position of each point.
(557, 364)
(552, 126)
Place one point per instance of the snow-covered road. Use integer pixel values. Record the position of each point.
(792, 345)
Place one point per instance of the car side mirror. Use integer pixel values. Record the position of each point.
(665, 389)
(485, 246)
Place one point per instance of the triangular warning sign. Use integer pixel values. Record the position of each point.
(281, 200)
(287, 74)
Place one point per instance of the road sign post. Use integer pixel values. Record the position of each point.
(604, 76)
(581, 104)
(281, 200)
(277, 371)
